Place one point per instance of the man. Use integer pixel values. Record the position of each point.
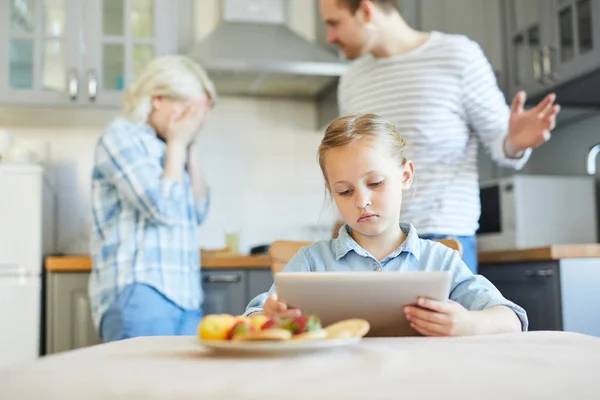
(441, 92)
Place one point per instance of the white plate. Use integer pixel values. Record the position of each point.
(278, 347)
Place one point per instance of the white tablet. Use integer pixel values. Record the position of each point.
(378, 297)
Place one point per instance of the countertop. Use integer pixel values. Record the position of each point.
(221, 261)
(554, 252)
(237, 261)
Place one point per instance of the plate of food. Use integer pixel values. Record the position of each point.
(261, 334)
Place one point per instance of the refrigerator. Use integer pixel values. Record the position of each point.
(26, 236)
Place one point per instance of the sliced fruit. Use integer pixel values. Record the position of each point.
(311, 335)
(240, 327)
(348, 328)
(215, 326)
(269, 334)
(258, 320)
(301, 324)
(270, 324)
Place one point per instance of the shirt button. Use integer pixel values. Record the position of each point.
(378, 268)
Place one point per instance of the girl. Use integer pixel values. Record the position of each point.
(365, 170)
(148, 197)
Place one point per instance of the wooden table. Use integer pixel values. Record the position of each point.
(532, 365)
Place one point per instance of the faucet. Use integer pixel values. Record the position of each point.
(591, 159)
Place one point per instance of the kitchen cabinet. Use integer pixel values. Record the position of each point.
(68, 313)
(528, 30)
(224, 291)
(535, 287)
(259, 281)
(229, 291)
(79, 53)
(557, 294)
(551, 43)
(476, 19)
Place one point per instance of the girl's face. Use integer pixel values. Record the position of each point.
(366, 184)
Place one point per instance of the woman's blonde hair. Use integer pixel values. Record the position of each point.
(175, 76)
(351, 128)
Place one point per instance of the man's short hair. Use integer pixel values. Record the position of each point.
(385, 5)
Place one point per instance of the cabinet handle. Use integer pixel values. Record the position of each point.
(546, 63)
(537, 66)
(539, 272)
(225, 278)
(92, 85)
(553, 57)
(73, 84)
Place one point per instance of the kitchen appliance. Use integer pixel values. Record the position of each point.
(26, 235)
(525, 211)
(252, 51)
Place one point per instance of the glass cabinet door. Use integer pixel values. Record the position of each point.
(39, 54)
(124, 36)
(529, 32)
(576, 45)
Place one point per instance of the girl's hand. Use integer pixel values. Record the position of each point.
(436, 318)
(275, 308)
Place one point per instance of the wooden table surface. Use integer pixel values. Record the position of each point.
(531, 365)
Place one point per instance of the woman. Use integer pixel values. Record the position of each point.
(148, 197)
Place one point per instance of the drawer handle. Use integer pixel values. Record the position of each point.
(225, 278)
(539, 272)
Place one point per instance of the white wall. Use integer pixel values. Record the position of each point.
(260, 161)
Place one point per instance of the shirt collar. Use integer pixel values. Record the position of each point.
(344, 243)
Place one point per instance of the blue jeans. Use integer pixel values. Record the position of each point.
(141, 310)
(469, 245)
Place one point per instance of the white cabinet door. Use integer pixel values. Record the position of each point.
(21, 219)
(20, 319)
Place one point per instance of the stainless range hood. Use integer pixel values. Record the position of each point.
(262, 58)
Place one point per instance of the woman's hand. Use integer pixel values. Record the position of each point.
(436, 318)
(275, 308)
(184, 128)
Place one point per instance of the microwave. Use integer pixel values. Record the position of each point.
(526, 211)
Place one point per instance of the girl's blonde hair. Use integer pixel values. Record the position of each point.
(175, 76)
(351, 128)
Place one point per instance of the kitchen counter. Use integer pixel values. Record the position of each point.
(221, 261)
(555, 252)
(235, 261)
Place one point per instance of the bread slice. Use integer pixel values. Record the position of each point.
(348, 328)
